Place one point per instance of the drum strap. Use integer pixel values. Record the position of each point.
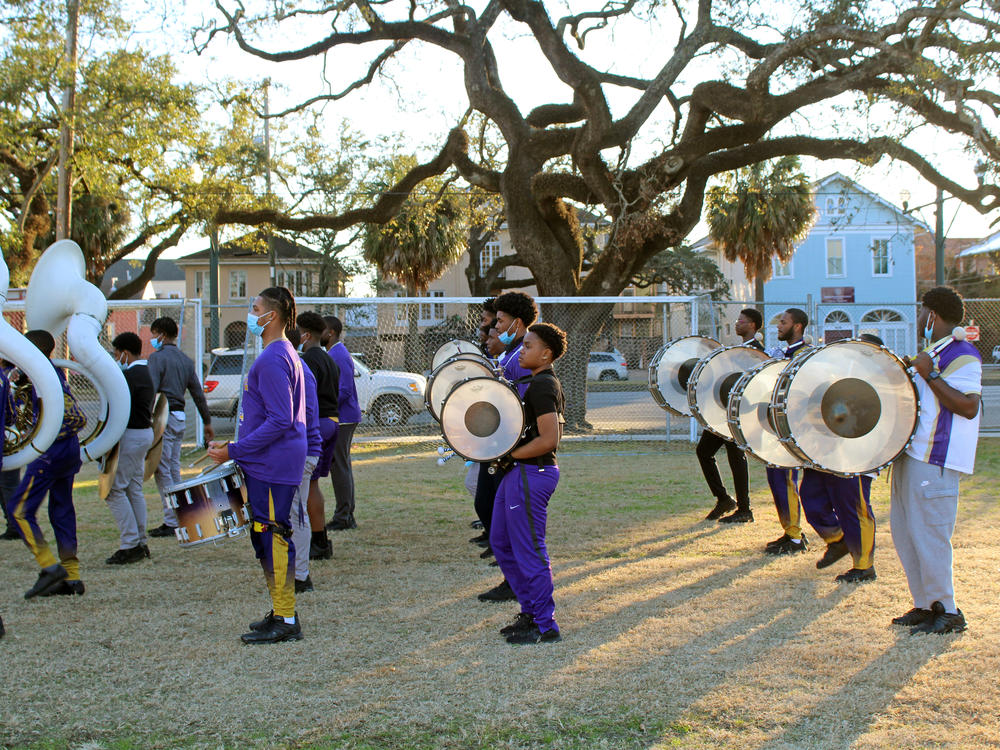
(285, 532)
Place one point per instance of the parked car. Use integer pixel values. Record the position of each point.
(607, 366)
(996, 354)
(388, 397)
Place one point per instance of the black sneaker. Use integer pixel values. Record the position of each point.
(48, 578)
(523, 621)
(126, 556)
(277, 631)
(722, 506)
(834, 551)
(320, 552)
(486, 553)
(915, 616)
(338, 525)
(532, 636)
(306, 585)
(67, 588)
(352, 522)
(941, 621)
(740, 516)
(777, 542)
(263, 624)
(501, 593)
(477, 524)
(494, 564)
(854, 575)
(789, 547)
(145, 550)
(10, 533)
(483, 538)
(163, 530)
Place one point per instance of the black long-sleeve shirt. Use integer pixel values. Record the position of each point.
(327, 375)
(140, 388)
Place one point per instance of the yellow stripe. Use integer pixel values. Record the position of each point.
(794, 529)
(283, 596)
(958, 362)
(867, 524)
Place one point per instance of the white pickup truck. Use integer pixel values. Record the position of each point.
(388, 397)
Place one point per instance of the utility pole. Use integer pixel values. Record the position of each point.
(213, 286)
(267, 176)
(64, 204)
(939, 239)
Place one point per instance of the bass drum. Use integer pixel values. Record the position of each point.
(748, 420)
(846, 408)
(452, 371)
(671, 367)
(449, 349)
(711, 381)
(482, 419)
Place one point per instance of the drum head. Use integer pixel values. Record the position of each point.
(712, 380)
(671, 368)
(850, 407)
(749, 420)
(212, 472)
(482, 419)
(452, 371)
(449, 349)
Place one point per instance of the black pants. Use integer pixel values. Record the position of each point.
(342, 474)
(486, 492)
(708, 446)
(8, 483)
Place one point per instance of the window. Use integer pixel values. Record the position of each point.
(836, 205)
(835, 257)
(237, 285)
(201, 284)
(781, 269)
(881, 263)
(488, 256)
(433, 312)
(299, 283)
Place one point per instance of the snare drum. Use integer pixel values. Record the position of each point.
(748, 419)
(449, 349)
(482, 419)
(846, 408)
(455, 370)
(711, 381)
(671, 367)
(211, 507)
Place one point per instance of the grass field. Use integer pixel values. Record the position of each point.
(677, 632)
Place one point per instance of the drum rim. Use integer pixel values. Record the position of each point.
(517, 396)
(654, 363)
(692, 386)
(738, 388)
(221, 471)
(450, 341)
(437, 371)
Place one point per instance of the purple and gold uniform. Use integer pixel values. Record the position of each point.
(784, 483)
(520, 511)
(839, 508)
(52, 474)
(271, 450)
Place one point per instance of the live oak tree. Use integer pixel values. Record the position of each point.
(735, 83)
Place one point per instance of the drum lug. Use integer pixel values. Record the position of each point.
(197, 528)
(182, 534)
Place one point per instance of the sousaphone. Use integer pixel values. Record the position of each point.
(671, 367)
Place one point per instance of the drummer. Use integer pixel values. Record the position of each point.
(784, 483)
(487, 320)
(520, 512)
(271, 450)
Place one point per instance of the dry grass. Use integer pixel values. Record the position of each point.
(678, 632)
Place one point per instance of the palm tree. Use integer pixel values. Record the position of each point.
(761, 212)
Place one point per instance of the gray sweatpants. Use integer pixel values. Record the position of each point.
(922, 519)
(301, 530)
(125, 500)
(342, 474)
(168, 473)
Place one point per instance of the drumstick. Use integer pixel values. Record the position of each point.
(195, 463)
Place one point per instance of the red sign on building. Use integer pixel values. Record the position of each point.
(835, 294)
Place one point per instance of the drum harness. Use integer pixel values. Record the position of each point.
(285, 532)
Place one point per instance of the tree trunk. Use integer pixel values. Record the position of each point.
(413, 346)
(758, 293)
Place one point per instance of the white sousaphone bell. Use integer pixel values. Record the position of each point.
(60, 298)
(27, 437)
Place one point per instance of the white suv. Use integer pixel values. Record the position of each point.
(607, 366)
(390, 398)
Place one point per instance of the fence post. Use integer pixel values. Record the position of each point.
(199, 366)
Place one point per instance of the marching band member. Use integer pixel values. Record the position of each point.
(271, 450)
(172, 372)
(125, 500)
(924, 495)
(341, 471)
(9, 479)
(52, 474)
(520, 513)
(746, 327)
(515, 311)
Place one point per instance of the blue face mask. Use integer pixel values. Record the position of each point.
(929, 329)
(156, 343)
(253, 324)
(507, 337)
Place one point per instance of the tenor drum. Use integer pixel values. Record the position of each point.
(711, 381)
(211, 507)
(449, 349)
(671, 367)
(748, 418)
(482, 419)
(448, 374)
(847, 408)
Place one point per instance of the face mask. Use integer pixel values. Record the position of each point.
(299, 348)
(253, 324)
(507, 337)
(929, 329)
(156, 343)
(121, 362)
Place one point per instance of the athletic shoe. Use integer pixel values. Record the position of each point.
(501, 593)
(67, 588)
(265, 623)
(854, 575)
(532, 636)
(339, 525)
(722, 506)
(740, 516)
(834, 551)
(48, 578)
(915, 616)
(10, 533)
(145, 550)
(306, 585)
(941, 621)
(482, 538)
(320, 552)
(276, 632)
(789, 547)
(494, 564)
(523, 621)
(777, 542)
(126, 556)
(163, 530)
(353, 523)
(477, 524)
(488, 552)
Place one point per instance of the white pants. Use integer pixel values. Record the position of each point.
(168, 473)
(922, 520)
(301, 530)
(125, 500)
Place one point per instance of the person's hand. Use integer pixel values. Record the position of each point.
(923, 364)
(218, 451)
(209, 433)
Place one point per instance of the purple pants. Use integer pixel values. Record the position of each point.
(517, 536)
(328, 432)
(833, 503)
